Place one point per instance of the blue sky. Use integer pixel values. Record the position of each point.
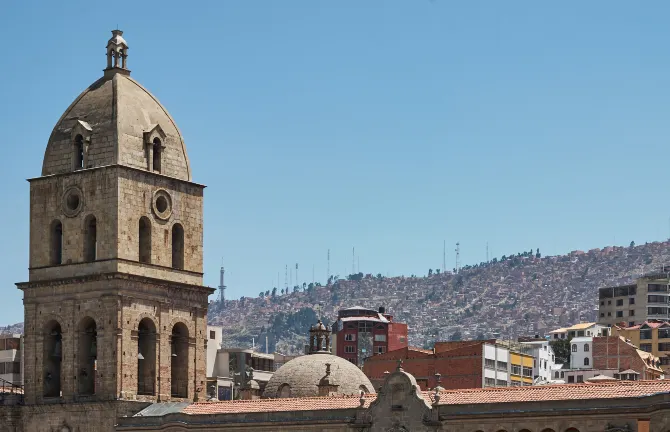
(388, 126)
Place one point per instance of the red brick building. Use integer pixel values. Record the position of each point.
(613, 352)
(362, 333)
(459, 363)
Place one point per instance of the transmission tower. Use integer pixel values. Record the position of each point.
(222, 286)
(444, 256)
(487, 251)
(297, 281)
(353, 260)
(286, 277)
(328, 269)
(458, 257)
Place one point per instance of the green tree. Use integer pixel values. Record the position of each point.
(267, 293)
(430, 272)
(632, 244)
(455, 336)
(274, 291)
(538, 254)
(561, 349)
(480, 336)
(260, 294)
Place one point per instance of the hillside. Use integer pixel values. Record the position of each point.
(518, 295)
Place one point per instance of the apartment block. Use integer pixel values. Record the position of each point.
(11, 364)
(652, 337)
(646, 299)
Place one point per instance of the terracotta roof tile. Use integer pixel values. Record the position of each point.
(274, 405)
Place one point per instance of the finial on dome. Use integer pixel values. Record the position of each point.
(117, 54)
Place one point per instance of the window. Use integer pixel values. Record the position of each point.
(631, 323)
(516, 370)
(609, 313)
(657, 311)
(664, 333)
(146, 357)
(664, 346)
(619, 302)
(87, 336)
(556, 375)
(502, 366)
(571, 379)
(572, 334)
(645, 334)
(349, 349)
(284, 391)
(645, 347)
(491, 364)
(90, 239)
(380, 338)
(52, 357)
(78, 152)
(619, 314)
(179, 361)
(56, 243)
(609, 302)
(657, 299)
(527, 372)
(562, 374)
(602, 314)
(516, 383)
(402, 339)
(212, 334)
(574, 347)
(501, 383)
(177, 247)
(580, 333)
(602, 303)
(665, 361)
(586, 347)
(489, 382)
(349, 337)
(631, 312)
(580, 378)
(657, 288)
(586, 361)
(631, 300)
(157, 148)
(380, 349)
(145, 240)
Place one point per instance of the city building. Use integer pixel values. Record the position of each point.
(615, 352)
(234, 368)
(362, 333)
(581, 350)
(652, 337)
(115, 309)
(400, 406)
(646, 299)
(459, 364)
(579, 330)
(11, 364)
(543, 358)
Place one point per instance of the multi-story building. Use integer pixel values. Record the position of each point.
(543, 358)
(579, 330)
(362, 333)
(652, 337)
(581, 353)
(459, 364)
(11, 364)
(615, 352)
(647, 299)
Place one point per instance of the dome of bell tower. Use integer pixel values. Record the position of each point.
(116, 121)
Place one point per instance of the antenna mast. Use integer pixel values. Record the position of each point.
(297, 281)
(444, 256)
(286, 277)
(487, 251)
(353, 260)
(328, 270)
(458, 257)
(222, 286)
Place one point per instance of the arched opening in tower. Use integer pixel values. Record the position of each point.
(56, 243)
(87, 354)
(78, 152)
(179, 361)
(145, 240)
(157, 155)
(146, 358)
(90, 239)
(178, 247)
(52, 357)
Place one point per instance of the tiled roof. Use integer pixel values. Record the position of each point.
(558, 392)
(604, 390)
(274, 405)
(560, 330)
(581, 326)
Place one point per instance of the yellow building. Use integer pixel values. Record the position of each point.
(651, 337)
(522, 369)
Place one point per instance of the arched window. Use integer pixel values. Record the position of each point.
(178, 246)
(90, 239)
(572, 430)
(52, 357)
(87, 354)
(146, 357)
(548, 430)
(586, 347)
(574, 347)
(284, 391)
(78, 152)
(363, 389)
(145, 240)
(179, 362)
(586, 361)
(157, 155)
(56, 243)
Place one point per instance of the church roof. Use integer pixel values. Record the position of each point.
(117, 115)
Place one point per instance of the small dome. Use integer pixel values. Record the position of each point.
(301, 376)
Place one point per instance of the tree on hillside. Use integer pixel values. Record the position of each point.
(455, 336)
(561, 349)
(632, 244)
(267, 293)
(437, 271)
(430, 272)
(260, 294)
(538, 254)
(274, 291)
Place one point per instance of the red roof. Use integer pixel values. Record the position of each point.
(600, 390)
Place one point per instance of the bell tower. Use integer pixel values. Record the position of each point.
(115, 309)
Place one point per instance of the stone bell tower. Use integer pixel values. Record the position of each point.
(115, 309)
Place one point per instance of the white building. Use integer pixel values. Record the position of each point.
(11, 366)
(214, 341)
(496, 366)
(581, 355)
(543, 359)
(579, 330)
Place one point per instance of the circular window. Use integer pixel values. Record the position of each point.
(72, 202)
(162, 204)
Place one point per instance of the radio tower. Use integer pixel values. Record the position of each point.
(286, 277)
(458, 257)
(353, 260)
(222, 286)
(328, 270)
(487, 251)
(444, 256)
